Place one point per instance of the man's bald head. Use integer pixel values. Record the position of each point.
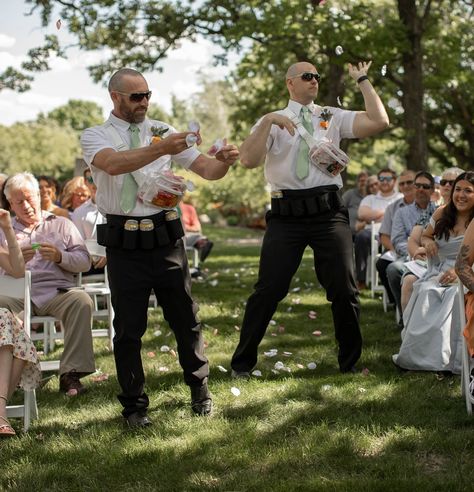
(298, 68)
(116, 82)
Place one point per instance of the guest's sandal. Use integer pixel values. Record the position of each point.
(6, 430)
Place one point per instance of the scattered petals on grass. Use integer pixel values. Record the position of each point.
(297, 300)
(222, 368)
(362, 390)
(236, 328)
(172, 352)
(287, 353)
(275, 371)
(235, 391)
(279, 365)
(164, 348)
(151, 354)
(215, 331)
(326, 387)
(312, 314)
(300, 366)
(163, 369)
(281, 329)
(311, 365)
(273, 322)
(157, 333)
(296, 289)
(317, 333)
(365, 372)
(213, 283)
(58, 24)
(257, 373)
(271, 353)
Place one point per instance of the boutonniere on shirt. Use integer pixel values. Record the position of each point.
(157, 133)
(325, 118)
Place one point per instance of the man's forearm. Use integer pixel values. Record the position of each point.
(463, 267)
(127, 161)
(254, 148)
(374, 107)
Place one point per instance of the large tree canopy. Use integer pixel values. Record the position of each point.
(422, 52)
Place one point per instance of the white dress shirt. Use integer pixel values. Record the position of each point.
(86, 217)
(282, 148)
(109, 187)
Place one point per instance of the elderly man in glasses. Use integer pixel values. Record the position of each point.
(306, 209)
(144, 243)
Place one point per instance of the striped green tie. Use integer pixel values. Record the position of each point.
(128, 195)
(302, 160)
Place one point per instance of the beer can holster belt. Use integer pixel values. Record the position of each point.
(302, 203)
(152, 231)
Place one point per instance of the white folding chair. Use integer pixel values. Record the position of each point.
(19, 288)
(466, 358)
(99, 291)
(372, 273)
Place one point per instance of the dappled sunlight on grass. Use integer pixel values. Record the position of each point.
(307, 429)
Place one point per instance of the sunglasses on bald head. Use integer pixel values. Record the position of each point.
(136, 96)
(308, 76)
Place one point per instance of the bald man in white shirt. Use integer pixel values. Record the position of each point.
(152, 256)
(306, 211)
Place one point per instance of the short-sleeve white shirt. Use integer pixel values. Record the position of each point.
(379, 202)
(86, 217)
(282, 148)
(109, 187)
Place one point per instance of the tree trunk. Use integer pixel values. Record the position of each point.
(412, 86)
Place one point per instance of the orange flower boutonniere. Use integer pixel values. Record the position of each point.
(157, 133)
(325, 118)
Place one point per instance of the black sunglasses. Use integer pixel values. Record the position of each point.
(385, 178)
(308, 76)
(425, 186)
(136, 96)
(444, 182)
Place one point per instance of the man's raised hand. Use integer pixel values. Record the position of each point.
(356, 71)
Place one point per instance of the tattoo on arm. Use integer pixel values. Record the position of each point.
(464, 267)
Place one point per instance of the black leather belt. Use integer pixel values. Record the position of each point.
(308, 202)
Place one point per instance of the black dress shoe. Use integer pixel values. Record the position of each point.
(138, 419)
(201, 401)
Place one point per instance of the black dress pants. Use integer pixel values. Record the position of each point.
(285, 240)
(132, 275)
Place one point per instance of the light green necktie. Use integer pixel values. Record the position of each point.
(302, 160)
(128, 195)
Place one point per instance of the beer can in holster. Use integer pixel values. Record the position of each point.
(130, 234)
(174, 225)
(147, 236)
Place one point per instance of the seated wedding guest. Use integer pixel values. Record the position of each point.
(53, 250)
(463, 267)
(404, 221)
(353, 197)
(406, 186)
(446, 183)
(193, 229)
(372, 209)
(48, 193)
(416, 268)
(86, 217)
(74, 193)
(19, 364)
(431, 340)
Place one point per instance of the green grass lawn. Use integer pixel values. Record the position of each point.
(300, 430)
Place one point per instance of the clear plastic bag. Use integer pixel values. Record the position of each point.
(328, 158)
(163, 189)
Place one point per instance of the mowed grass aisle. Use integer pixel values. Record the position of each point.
(299, 430)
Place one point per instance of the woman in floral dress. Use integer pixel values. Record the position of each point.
(19, 364)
